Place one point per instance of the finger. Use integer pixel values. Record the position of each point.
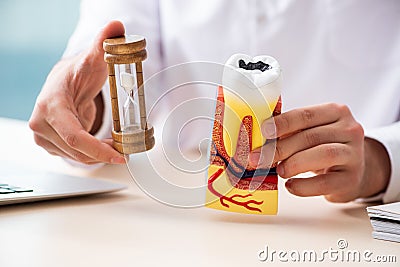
(302, 118)
(72, 133)
(324, 184)
(114, 28)
(332, 133)
(46, 137)
(55, 151)
(319, 157)
(263, 157)
(290, 144)
(93, 63)
(341, 197)
(51, 141)
(95, 54)
(108, 141)
(49, 147)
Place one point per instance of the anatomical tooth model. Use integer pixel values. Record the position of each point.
(250, 94)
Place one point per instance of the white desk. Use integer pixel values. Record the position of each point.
(130, 229)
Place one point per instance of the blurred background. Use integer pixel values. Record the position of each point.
(33, 36)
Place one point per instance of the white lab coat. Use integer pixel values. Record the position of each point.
(343, 51)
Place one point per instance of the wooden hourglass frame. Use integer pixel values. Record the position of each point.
(127, 50)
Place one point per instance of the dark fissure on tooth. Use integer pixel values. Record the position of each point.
(254, 66)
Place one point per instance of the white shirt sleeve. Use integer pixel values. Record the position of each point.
(389, 137)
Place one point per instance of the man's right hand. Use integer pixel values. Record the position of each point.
(66, 114)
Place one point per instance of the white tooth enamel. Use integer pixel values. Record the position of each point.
(249, 92)
(245, 82)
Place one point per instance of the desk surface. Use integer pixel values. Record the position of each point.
(128, 228)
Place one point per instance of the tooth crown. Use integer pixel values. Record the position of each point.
(252, 86)
(241, 80)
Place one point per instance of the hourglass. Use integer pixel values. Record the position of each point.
(124, 56)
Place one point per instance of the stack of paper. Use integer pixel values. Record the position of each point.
(385, 220)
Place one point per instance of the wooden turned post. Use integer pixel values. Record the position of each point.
(127, 50)
(114, 97)
(142, 103)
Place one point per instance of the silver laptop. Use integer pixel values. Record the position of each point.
(18, 185)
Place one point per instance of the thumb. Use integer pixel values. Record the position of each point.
(92, 70)
(112, 29)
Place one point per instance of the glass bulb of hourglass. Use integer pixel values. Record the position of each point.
(130, 113)
(130, 108)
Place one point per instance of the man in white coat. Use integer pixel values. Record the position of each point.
(341, 62)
